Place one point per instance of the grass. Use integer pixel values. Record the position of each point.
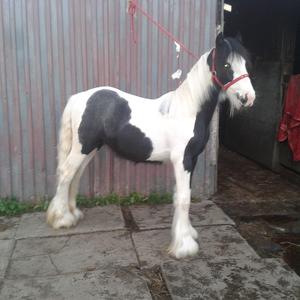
(13, 207)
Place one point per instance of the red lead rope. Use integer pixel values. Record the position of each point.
(133, 7)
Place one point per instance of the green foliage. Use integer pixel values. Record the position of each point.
(13, 207)
(133, 198)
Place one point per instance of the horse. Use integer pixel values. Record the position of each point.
(173, 127)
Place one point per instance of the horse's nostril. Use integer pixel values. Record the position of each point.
(244, 100)
(239, 96)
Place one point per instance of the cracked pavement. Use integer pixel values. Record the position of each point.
(102, 258)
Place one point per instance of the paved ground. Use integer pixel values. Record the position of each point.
(264, 205)
(103, 258)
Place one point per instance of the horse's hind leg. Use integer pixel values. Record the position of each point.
(58, 213)
(74, 186)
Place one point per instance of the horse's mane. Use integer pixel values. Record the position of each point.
(237, 49)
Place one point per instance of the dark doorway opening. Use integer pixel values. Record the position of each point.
(264, 204)
(270, 30)
(297, 50)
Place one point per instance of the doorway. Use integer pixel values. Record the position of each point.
(270, 31)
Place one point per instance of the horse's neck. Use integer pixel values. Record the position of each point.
(194, 91)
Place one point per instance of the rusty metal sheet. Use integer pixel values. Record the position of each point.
(50, 49)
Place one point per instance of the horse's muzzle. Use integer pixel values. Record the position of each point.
(247, 99)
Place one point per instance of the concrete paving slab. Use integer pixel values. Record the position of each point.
(34, 266)
(3, 267)
(152, 246)
(8, 227)
(39, 246)
(231, 279)
(160, 216)
(208, 213)
(94, 251)
(76, 253)
(106, 284)
(81, 263)
(96, 219)
(6, 247)
(223, 242)
(215, 241)
(152, 216)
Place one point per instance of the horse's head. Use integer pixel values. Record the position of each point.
(228, 64)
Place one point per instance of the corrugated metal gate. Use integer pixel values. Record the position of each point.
(50, 49)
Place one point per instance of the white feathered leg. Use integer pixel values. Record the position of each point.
(59, 214)
(183, 234)
(74, 187)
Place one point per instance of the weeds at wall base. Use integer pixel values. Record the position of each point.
(13, 207)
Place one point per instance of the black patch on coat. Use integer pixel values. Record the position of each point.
(225, 75)
(106, 121)
(201, 132)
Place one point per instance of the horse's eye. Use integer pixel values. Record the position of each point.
(227, 66)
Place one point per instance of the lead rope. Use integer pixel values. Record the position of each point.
(133, 7)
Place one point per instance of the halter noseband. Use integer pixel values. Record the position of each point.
(215, 78)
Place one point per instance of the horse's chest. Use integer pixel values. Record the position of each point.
(168, 134)
(181, 130)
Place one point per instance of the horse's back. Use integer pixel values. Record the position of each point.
(136, 128)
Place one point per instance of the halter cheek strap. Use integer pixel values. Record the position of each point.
(215, 78)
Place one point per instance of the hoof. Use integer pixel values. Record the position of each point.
(58, 219)
(78, 214)
(184, 247)
(193, 232)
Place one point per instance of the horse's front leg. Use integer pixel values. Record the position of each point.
(183, 234)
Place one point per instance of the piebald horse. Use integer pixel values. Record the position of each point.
(172, 127)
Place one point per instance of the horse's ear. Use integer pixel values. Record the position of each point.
(239, 37)
(219, 39)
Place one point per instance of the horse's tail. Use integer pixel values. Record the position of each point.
(65, 138)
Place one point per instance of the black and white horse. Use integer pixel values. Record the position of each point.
(173, 127)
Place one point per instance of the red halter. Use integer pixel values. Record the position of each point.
(215, 78)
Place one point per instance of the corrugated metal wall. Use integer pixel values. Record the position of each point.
(50, 49)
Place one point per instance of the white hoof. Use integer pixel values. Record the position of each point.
(193, 232)
(185, 247)
(78, 214)
(58, 219)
